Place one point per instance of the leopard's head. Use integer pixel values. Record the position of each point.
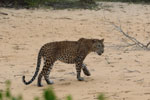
(93, 45)
(98, 46)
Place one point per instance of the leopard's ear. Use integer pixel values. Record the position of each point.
(81, 39)
(102, 40)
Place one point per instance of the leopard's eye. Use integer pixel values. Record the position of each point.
(99, 45)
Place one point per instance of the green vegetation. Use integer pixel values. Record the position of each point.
(7, 95)
(126, 0)
(130, 1)
(60, 4)
(101, 97)
(48, 94)
(45, 3)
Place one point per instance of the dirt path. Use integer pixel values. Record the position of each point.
(121, 73)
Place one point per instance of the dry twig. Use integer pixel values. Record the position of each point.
(139, 44)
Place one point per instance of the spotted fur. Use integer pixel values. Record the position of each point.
(71, 52)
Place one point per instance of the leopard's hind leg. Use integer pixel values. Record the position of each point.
(48, 64)
(40, 79)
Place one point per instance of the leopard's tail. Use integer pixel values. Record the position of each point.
(36, 71)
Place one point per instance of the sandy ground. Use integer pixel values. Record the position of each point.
(122, 73)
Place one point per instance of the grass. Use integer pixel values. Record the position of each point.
(48, 94)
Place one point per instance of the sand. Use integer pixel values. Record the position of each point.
(121, 73)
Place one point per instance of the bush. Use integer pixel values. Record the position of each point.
(36, 3)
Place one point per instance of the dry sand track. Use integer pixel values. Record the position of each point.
(121, 73)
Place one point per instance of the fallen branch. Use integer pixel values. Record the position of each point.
(3, 13)
(139, 44)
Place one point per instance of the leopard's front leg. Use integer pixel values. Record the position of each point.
(85, 70)
(82, 53)
(78, 69)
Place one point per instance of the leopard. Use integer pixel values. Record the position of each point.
(70, 52)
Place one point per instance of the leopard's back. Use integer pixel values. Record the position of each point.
(64, 51)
